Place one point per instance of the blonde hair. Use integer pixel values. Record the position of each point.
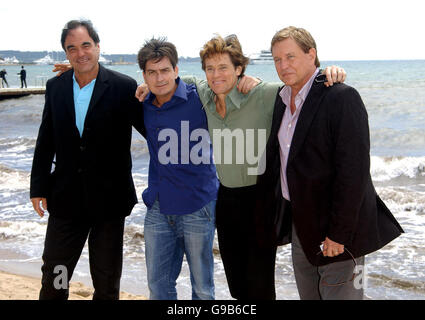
(230, 45)
(301, 36)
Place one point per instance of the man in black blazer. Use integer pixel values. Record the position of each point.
(86, 133)
(317, 190)
(23, 76)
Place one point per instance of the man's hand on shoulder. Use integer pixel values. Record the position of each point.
(141, 92)
(334, 74)
(247, 83)
(61, 68)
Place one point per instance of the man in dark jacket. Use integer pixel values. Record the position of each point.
(86, 127)
(3, 74)
(23, 74)
(317, 190)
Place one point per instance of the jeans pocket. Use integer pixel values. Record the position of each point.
(153, 215)
(209, 210)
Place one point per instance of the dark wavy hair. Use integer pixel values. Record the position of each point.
(74, 24)
(157, 49)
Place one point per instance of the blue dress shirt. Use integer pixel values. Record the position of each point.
(82, 98)
(177, 178)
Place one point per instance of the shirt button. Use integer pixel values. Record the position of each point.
(288, 145)
(290, 125)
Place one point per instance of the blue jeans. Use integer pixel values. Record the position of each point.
(167, 239)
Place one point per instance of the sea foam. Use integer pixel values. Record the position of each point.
(387, 168)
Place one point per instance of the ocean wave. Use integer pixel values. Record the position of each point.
(22, 230)
(387, 168)
(13, 179)
(410, 285)
(6, 143)
(22, 118)
(27, 110)
(400, 199)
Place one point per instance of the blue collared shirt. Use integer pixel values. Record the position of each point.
(82, 98)
(182, 174)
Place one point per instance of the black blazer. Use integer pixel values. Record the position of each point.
(92, 174)
(329, 180)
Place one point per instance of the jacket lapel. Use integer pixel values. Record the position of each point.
(308, 112)
(69, 99)
(279, 110)
(99, 88)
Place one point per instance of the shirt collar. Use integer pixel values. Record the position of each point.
(181, 92)
(77, 86)
(234, 96)
(285, 93)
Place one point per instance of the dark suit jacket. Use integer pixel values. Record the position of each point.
(92, 174)
(329, 180)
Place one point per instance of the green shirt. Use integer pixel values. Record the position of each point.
(248, 117)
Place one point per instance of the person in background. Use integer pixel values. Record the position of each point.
(23, 76)
(86, 133)
(3, 74)
(317, 191)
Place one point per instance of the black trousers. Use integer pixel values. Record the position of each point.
(249, 269)
(3, 80)
(63, 245)
(23, 81)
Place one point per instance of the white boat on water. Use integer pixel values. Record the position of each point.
(264, 57)
(45, 60)
(104, 61)
(9, 61)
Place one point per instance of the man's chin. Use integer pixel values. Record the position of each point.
(287, 81)
(161, 91)
(83, 69)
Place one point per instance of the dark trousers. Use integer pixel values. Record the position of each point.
(333, 281)
(23, 81)
(3, 80)
(249, 269)
(63, 245)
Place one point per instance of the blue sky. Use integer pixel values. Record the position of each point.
(343, 30)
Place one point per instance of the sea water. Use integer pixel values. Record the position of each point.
(394, 95)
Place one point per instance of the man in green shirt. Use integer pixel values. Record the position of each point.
(239, 126)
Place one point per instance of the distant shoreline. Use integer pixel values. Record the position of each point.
(29, 57)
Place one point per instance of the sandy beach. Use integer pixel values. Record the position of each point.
(17, 287)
